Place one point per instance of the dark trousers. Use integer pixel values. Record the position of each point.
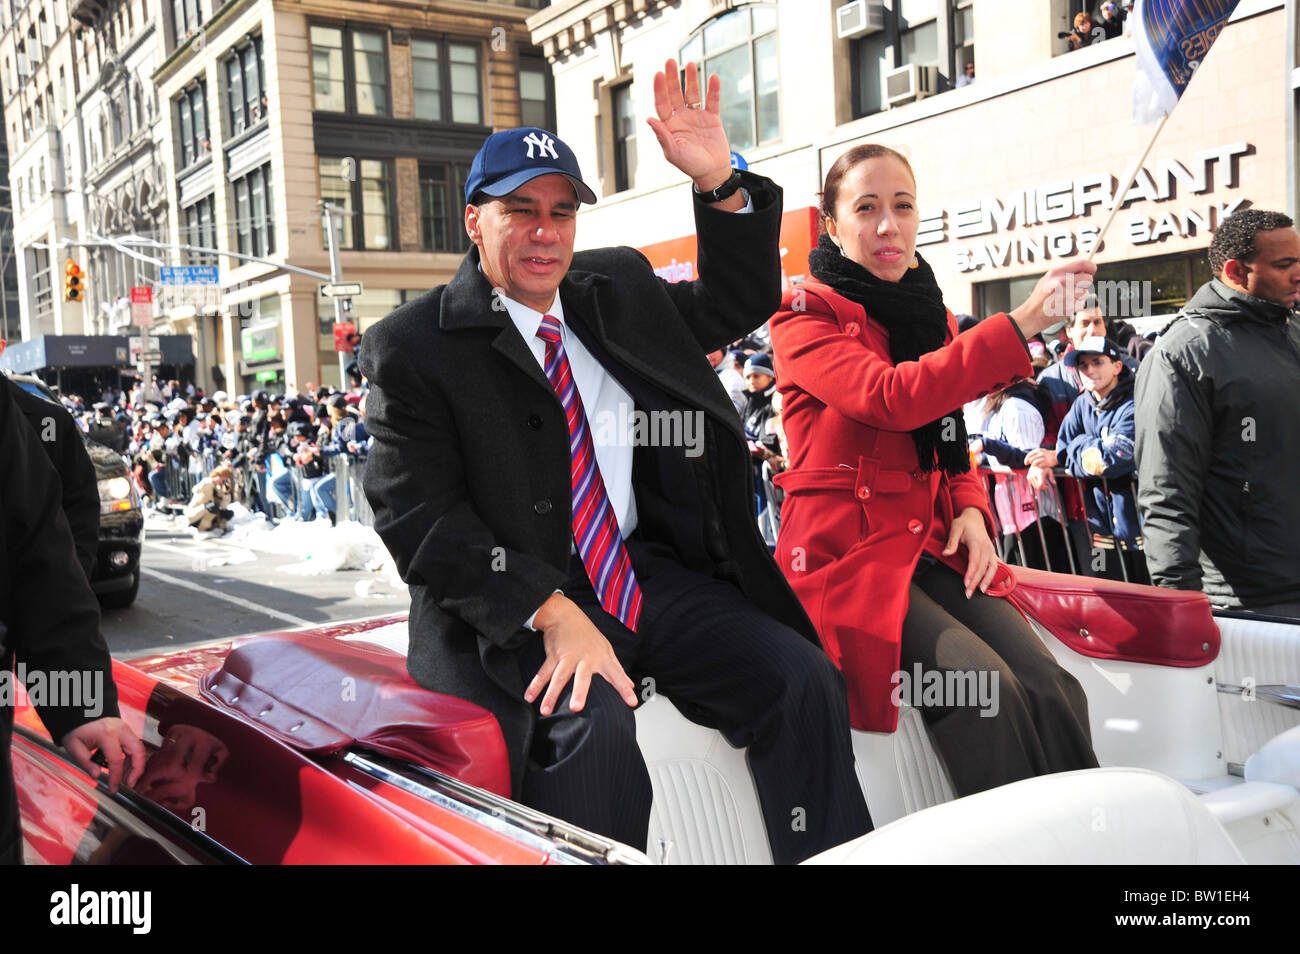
(725, 665)
(1041, 725)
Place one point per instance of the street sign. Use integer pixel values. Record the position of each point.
(188, 274)
(151, 357)
(340, 290)
(137, 344)
(341, 331)
(142, 306)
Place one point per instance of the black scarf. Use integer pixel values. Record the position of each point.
(912, 311)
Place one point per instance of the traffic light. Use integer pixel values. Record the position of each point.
(74, 285)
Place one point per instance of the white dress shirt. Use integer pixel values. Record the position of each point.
(606, 401)
(608, 405)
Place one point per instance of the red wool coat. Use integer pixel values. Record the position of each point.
(858, 511)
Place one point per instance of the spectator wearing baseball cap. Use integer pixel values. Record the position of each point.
(1096, 445)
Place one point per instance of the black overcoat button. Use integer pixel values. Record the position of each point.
(542, 506)
(535, 421)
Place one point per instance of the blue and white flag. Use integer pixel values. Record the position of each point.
(1172, 37)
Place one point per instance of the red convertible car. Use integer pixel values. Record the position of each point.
(314, 746)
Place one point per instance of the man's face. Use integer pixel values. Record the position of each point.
(970, 69)
(1109, 11)
(525, 239)
(1273, 272)
(1086, 324)
(1098, 372)
(758, 381)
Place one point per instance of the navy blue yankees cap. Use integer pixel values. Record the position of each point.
(512, 157)
(1093, 345)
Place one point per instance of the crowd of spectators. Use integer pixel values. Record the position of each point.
(1060, 452)
(196, 453)
(1041, 478)
(1041, 442)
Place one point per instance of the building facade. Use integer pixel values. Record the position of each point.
(151, 133)
(1015, 170)
(373, 108)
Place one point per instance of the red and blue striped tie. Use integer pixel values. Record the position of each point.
(595, 530)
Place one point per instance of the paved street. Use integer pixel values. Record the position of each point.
(197, 590)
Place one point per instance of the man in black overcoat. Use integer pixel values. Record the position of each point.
(49, 623)
(471, 478)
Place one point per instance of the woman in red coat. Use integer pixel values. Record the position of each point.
(886, 535)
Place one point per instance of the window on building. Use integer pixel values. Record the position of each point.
(254, 218)
(363, 190)
(442, 196)
(536, 95)
(625, 125)
(446, 80)
(349, 70)
(336, 179)
(186, 19)
(193, 121)
(42, 284)
(963, 35)
(20, 57)
(426, 78)
(376, 204)
(245, 87)
(466, 88)
(327, 68)
(199, 227)
(740, 46)
(370, 72)
(910, 36)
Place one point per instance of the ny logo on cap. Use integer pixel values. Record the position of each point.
(543, 143)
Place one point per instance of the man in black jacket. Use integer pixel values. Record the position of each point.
(49, 622)
(1218, 450)
(482, 478)
(60, 438)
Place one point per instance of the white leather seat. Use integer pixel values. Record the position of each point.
(1096, 816)
(706, 809)
(900, 772)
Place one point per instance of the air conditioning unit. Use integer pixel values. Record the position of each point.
(859, 18)
(911, 82)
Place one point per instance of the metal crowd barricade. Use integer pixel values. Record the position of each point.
(1011, 530)
(1065, 495)
(180, 476)
(349, 499)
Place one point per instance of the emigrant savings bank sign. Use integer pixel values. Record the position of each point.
(1022, 211)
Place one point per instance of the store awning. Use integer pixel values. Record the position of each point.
(88, 351)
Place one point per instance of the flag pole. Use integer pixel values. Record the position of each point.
(1123, 191)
